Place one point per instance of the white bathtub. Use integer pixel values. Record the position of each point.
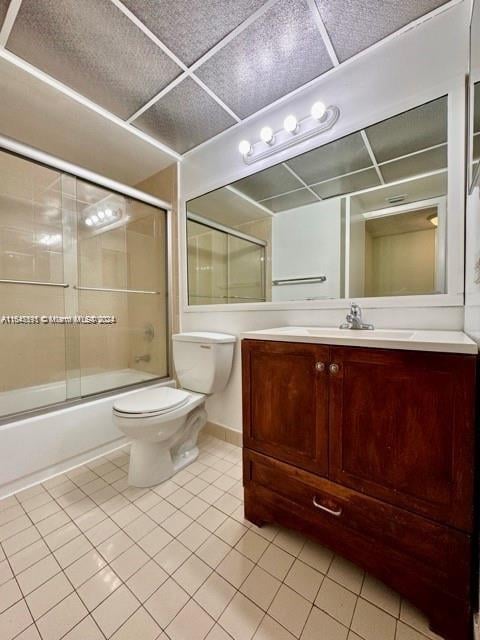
(42, 395)
(33, 449)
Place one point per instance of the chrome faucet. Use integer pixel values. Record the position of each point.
(354, 319)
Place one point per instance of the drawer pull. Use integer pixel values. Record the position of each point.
(332, 512)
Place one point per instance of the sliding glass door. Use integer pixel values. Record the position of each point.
(83, 288)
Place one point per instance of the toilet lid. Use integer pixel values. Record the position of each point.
(152, 401)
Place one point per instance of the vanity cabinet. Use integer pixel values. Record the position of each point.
(371, 452)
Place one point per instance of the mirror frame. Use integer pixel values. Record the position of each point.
(456, 92)
(473, 176)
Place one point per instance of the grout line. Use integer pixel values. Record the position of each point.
(171, 85)
(290, 170)
(323, 32)
(368, 146)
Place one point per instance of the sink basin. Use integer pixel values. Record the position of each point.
(363, 334)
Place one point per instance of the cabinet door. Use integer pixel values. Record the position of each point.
(285, 402)
(402, 429)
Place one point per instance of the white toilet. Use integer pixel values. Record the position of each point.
(163, 423)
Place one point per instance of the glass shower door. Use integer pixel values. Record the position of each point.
(32, 286)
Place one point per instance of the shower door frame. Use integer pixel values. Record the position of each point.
(31, 154)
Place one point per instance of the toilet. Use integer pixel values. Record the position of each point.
(163, 423)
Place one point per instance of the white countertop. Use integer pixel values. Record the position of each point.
(411, 340)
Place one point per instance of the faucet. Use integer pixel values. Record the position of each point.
(354, 319)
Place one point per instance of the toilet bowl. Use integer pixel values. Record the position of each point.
(163, 423)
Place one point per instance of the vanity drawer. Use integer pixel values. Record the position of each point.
(334, 510)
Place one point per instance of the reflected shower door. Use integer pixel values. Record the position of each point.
(121, 273)
(32, 353)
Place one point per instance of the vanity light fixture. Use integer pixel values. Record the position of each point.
(294, 130)
(267, 135)
(103, 217)
(290, 124)
(245, 148)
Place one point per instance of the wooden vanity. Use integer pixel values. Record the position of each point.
(370, 451)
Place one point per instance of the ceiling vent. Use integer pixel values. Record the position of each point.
(397, 199)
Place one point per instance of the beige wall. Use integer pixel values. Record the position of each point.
(400, 264)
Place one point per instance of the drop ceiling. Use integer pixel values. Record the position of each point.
(183, 71)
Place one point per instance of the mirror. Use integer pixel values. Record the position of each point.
(364, 215)
(474, 97)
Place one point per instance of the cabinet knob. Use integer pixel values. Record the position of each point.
(320, 366)
(334, 368)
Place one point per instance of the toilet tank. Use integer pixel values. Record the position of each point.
(203, 360)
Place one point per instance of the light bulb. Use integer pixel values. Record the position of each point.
(109, 213)
(101, 215)
(290, 124)
(95, 219)
(267, 135)
(88, 222)
(318, 110)
(245, 148)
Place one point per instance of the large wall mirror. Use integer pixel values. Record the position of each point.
(363, 216)
(474, 94)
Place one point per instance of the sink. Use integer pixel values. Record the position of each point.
(363, 334)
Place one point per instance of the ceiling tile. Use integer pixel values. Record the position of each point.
(184, 117)
(3, 10)
(190, 29)
(333, 159)
(278, 53)
(93, 48)
(414, 190)
(354, 25)
(415, 165)
(267, 183)
(290, 200)
(347, 184)
(416, 129)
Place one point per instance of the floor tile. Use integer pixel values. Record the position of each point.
(276, 561)
(140, 527)
(102, 531)
(126, 515)
(270, 629)
(13, 527)
(37, 574)
(63, 617)
(5, 572)
(192, 574)
(139, 626)
(172, 556)
(290, 609)
(260, 587)
(179, 497)
(176, 523)
(129, 562)
(213, 551)
(214, 595)
(73, 550)
(61, 536)
(30, 633)
(14, 620)
(241, 618)
(416, 619)
(23, 539)
(304, 580)
(9, 594)
(115, 546)
(147, 580)
(191, 623)
(346, 573)
(48, 595)
(87, 629)
(166, 602)
(53, 522)
(373, 623)
(235, 568)
(28, 556)
(251, 545)
(230, 531)
(193, 536)
(316, 556)
(115, 610)
(85, 567)
(337, 601)
(289, 541)
(195, 507)
(331, 629)
(212, 518)
(405, 632)
(97, 588)
(154, 541)
(379, 594)
(218, 633)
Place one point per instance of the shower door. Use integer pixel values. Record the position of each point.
(83, 288)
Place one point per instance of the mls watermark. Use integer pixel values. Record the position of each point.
(27, 319)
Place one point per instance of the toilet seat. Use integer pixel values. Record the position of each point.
(151, 402)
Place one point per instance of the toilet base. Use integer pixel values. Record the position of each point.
(150, 464)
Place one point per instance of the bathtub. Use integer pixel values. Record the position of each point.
(38, 447)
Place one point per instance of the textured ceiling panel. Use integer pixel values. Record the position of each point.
(94, 48)
(3, 10)
(405, 223)
(415, 165)
(410, 131)
(347, 184)
(268, 182)
(190, 28)
(290, 201)
(278, 53)
(184, 117)
(333, 159)
(354, 25)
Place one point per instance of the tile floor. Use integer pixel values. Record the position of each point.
(85, 557)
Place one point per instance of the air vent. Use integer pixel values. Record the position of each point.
(396, 199)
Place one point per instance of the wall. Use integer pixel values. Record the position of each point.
(472, 266)
(420, 64)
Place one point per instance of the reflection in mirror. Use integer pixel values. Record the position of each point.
(364, 215)
(474, 86)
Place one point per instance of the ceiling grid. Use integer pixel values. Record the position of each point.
(241, 58)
